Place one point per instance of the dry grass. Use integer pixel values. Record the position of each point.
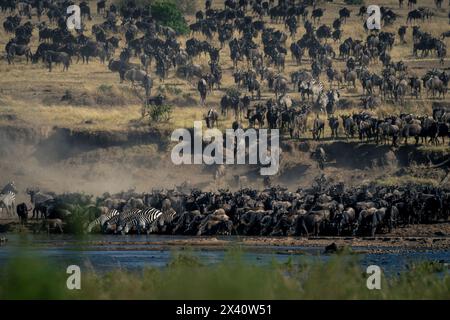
(100, 102)
(406, 180)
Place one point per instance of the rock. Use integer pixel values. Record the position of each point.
(389, 159)
(332, 248)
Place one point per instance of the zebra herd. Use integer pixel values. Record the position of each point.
(145, 220)
(7, 199)
(134, 220)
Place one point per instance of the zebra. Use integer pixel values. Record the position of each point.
(123, 221)
(316, 87)
(7, 201)
(141, 221)
(100, 221)
(164, 219)
(116, 220)
(312, 88)
(11, 186)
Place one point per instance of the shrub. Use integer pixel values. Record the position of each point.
(79, 218)
(168, 14)
(233, 92)
(158, 113)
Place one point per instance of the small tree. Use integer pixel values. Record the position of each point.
(233, 93)
(158, 113)
(168, 14)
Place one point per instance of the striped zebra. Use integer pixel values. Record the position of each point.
(316, 87)
(122, 223)
(7, 201)
(100, 221)
(114, 222)
(312, 88)
(11, 186)
(164, 219)
(141, 221)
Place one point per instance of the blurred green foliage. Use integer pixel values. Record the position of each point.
(169, 13)
(186, 277)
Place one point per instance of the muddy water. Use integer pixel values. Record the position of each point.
(104, 253)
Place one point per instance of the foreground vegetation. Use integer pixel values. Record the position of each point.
(185, 277)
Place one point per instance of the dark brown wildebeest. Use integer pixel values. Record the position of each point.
(142, 77)
(22, 212)
(57, 57)
(202, 87)
(318, 128)
(211, 118)
(14, 49)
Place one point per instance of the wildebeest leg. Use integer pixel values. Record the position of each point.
(316, 229)
(374, 225)
(303, 227)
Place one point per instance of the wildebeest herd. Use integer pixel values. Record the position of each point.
(258, 52)
(259, 38)
(324, 209)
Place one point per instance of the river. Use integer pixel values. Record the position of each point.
(136, 252)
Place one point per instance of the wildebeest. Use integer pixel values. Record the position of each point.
(202, 87)
(318, 128)
(40, 201)
(211, 118)
(13, 49)
(22, 212)
(142, 77)
(57, 57)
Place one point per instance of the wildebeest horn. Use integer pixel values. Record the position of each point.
(441, 164)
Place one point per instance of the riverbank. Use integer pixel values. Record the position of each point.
(432, 236)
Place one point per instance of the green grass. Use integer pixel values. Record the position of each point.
(185, 277)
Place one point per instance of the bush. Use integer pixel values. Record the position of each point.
(168, 14)
(79, 218)
(233, 92)
(158, 113)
